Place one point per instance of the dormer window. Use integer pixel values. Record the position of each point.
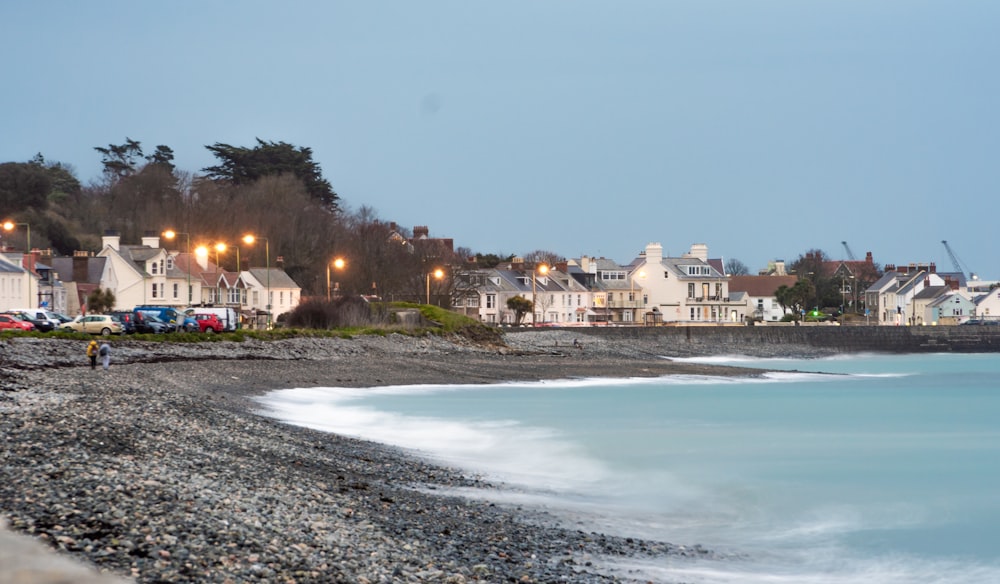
(153, 268)
(170, 262)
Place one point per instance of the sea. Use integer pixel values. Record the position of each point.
(881, 469)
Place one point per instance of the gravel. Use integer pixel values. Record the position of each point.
(160, 471)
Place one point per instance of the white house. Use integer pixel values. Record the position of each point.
(18, 286)
(761, 294)
(686, 289)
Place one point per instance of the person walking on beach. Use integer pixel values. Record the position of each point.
(105, 353)
(92, 353)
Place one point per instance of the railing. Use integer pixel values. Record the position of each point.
(708, 299)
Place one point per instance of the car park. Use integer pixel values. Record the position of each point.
(127, 319)
(229, 317)
(11, 322)
(95, 324)
(43, 320)
(171, 316)
(149, 322)
(208, 323)
(42, 325)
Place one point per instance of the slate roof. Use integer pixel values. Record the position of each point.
(759, 286)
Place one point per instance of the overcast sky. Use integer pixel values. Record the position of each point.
(760, 128)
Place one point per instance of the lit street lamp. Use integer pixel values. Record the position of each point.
(249, 240)
(339, 264)
(542, 269)
(438, 274)
(171, 234)
(10, 225)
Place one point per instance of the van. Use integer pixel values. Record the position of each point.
(229, 316)
(171, 315)
(39, 314)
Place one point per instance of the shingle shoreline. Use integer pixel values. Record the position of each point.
(160, 471)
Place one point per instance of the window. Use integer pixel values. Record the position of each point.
(698, 270)
(177, 290)
(472, 302)
(170, 262)
(491, 301)
(691, 291)
(152, 268)
(154, 286)
(281, 298)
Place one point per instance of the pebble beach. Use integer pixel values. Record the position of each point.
(162, 470)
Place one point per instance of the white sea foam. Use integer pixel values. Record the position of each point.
(815, 478)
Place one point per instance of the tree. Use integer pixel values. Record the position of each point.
(100, 301)
(22, 185)
(735, 267)
(240, 165)
(120, 160)
(521, 306)
(541, 256)
(162, 157)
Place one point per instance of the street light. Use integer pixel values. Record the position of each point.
(438, 274)
(249, 239)
(542, 269)
(10, 225)
(339, 264)
(171, 234)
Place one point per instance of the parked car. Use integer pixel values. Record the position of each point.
(42, 325)
(208, 323)
(95, 324)
(42, 319)
(11, 322)
(171, 316)
(127, 319)
(149, 322)
(229, 317)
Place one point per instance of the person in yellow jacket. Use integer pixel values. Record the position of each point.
(92, 353)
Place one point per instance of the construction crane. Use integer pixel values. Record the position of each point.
(959, 265)
(850, 254)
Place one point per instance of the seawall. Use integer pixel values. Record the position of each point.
(775, 341)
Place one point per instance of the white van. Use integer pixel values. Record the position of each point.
(40, 314)
(229, 317)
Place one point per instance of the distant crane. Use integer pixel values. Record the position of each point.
(959, 265)
(850, 254)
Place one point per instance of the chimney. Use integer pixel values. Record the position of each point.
(279, 262)
(933, 268)
(111, 239)
(562, 266)
(700, 251)
(80, 263)
(200, 259)
(421, 232)
(654, 253)
(151, 239)
(869, 259)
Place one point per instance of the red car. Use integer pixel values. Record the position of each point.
(208, 323)
(11, 322)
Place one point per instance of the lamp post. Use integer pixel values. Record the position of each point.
(542, 269)
(249, 239)
(339, 264)
(171, 234)
(10, 225)
(438, 274)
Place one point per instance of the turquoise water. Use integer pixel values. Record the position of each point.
(878, 469)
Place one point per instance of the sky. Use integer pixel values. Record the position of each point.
(762, 128)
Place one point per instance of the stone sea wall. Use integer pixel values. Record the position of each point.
(776, 341)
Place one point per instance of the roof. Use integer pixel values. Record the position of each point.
(277, 279)
(63, 266)
(760, 285)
